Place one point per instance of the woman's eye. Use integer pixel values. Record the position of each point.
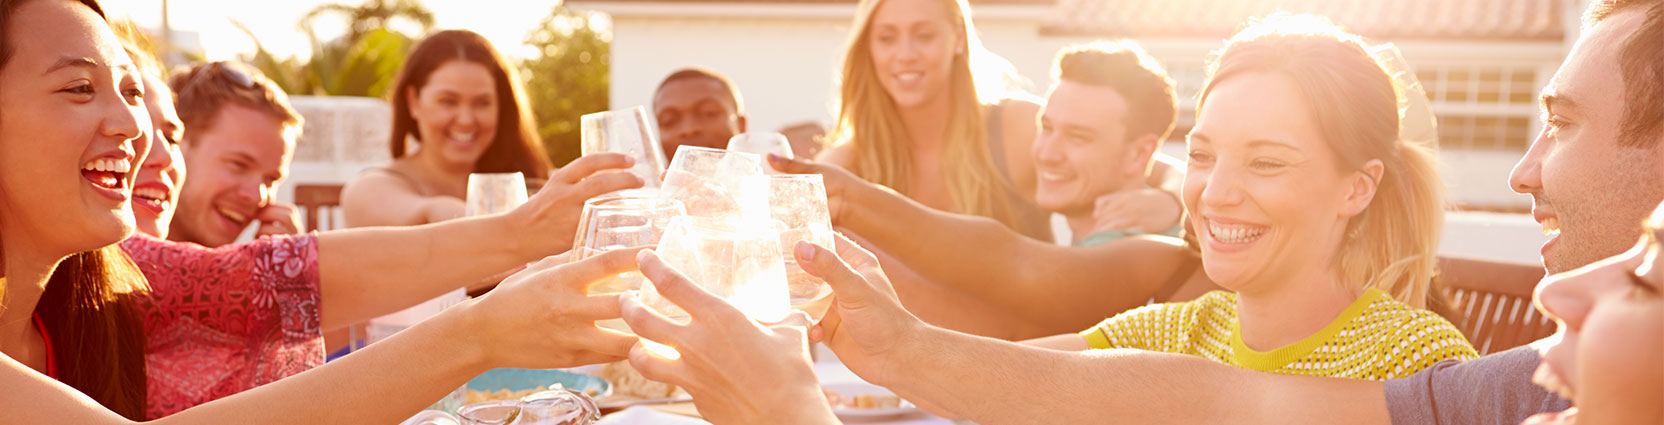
(83, 89)
(1200, 158)
(1266, 164)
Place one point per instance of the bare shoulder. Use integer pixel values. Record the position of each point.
(380, 198)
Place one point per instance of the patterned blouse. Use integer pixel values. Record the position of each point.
(225, 320)
(1376, 338)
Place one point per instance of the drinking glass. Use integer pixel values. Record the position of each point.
(626, 131)
(736, 262)
(491, 193)
(712, 183)
(797, 204)
(558, 406)
(762, 144)
(618, 221)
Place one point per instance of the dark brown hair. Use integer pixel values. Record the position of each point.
(1133, 74)
(517, 146)
(88, 307)
(1642, 62)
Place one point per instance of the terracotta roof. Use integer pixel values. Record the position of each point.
(1383, 19)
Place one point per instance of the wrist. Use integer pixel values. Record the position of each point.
(458, 330)
(911, 354)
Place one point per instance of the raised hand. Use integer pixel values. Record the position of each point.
(866, 321)
(736, 369)
(544, 317)
(278, 218)
(1144, 210)
(552, 214)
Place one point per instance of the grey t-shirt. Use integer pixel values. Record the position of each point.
(1491, 390)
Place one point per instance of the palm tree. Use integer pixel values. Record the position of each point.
(371, 16)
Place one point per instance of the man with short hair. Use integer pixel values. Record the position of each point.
(241, 138)
(697, 107)
(1111, 107)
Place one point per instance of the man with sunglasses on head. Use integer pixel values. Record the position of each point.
(241, 138)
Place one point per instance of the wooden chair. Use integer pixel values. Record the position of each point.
(319, 202)
(1493, 302)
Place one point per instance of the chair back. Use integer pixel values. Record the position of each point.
(318, 202)
(1493, 302)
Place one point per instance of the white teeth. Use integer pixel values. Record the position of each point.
(462, 137)
(233, 215)
(1551, 381)
(1234, 233)
(150, 193)
(909, 76)
(1551, 226)
(109, 165)
(1051, 176)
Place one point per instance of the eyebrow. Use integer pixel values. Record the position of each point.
(1550, 101)
(71, 62)
(1259, 143)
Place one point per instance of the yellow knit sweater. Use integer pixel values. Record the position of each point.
(1376, 338)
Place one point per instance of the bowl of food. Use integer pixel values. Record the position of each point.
(513, 384)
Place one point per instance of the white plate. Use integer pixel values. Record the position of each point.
(852, 389)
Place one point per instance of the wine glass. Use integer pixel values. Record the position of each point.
(627, 131)
(618, 221)
(797, 204)
(491, 193)
(762, 144)
(737, 262)
(712, 183)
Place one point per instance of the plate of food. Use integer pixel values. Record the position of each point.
(632, 389)
(857, 401)
(512, 384)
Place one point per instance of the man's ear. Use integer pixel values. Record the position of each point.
(1365, 183)
(1136, 163)
(739, 122)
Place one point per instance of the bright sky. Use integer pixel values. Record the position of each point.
(504, 22)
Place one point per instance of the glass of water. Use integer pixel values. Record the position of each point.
(626, 131)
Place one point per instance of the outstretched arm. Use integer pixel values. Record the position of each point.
(1050, 284)
(998, 382)
(539, 318)
(369, 272)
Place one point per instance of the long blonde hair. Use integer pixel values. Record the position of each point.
(1392, 244)
(869, 120)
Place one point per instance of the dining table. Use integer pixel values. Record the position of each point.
(828, 370)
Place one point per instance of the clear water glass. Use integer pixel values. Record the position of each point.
(713, 183)
(627, 131)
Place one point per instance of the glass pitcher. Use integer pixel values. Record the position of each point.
(558, 406)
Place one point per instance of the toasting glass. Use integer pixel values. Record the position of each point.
(797, 204)
(712, 183)
(738, 263)
(762, 144)
(622, 220)
(627, 131)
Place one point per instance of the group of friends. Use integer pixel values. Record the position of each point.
(1283, 272)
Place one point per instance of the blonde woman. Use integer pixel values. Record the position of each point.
(1308, 205)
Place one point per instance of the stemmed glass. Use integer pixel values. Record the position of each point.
(627, 131)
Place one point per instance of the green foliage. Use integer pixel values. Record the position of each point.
(568, 77)
(363, 62)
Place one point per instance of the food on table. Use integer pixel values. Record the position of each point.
(862, 401)
(626, 381)
(476, 396)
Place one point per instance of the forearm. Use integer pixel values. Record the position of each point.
(1050, 284)
(996, 382)
(369, 272)
(385, 383)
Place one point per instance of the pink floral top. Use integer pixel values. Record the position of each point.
(225, 320)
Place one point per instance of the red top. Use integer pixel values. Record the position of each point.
(225, 320)
(51, 361)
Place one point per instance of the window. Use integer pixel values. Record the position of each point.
(1482, 107)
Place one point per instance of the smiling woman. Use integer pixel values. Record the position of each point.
(463, 105)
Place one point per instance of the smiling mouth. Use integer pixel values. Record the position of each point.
(909, 77)
(107, 173)
(1054, 177)
(1551, 226)
(463, 138)
(156, 198)
(1234, 233)
(234, 216)
(1546, 377)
